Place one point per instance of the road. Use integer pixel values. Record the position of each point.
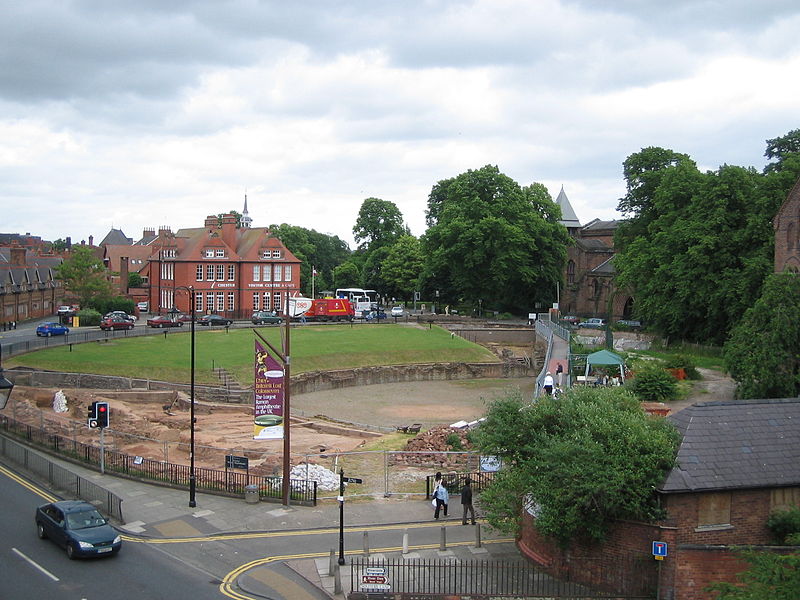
(34, 568)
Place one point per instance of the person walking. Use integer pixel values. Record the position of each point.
(466, 501)
(440, 495)
(560, 374)
(547, 384)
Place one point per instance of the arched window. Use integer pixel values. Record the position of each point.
(791, 236)
(571, 271)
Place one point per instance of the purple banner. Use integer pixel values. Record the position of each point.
(268, 396)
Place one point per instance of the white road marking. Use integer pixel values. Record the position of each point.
(34, 564)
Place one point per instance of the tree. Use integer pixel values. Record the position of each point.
(781, 148)
(379, 224)
(770, 575)
(135, 280)
(59, 246)
(701, 259)
(402, 267)
(372, 271)
(490, 239)
(346, 275)
(580, 462)
(85, 276)
(235, 213)
(763, 351)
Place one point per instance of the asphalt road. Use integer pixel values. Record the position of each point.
(34, 568)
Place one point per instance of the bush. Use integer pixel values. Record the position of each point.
(454, 441)
(106, 305)
(654, 384)
(784, 524)
(88, 317)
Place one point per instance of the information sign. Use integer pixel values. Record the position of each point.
(659, 550)
(236, 462)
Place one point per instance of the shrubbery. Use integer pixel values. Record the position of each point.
(89, 316)
(785, 526)
(653, 383)
(681, 361)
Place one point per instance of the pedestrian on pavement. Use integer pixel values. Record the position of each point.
(440, 495)
(560, 374)
(547, 384)
(466, 501)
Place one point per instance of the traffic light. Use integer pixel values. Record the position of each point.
(93, 414)
(102, 414)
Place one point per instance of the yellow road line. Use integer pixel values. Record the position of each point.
(28, 485)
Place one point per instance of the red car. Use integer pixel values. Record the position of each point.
(163, 321)
(115, 323)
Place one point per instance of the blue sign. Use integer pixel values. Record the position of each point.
(659, 548)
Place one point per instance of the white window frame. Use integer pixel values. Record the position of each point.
(256, 301)
(209, 253)
(267, 272)
(231, 272)
(276, 301)
(287, 272)
(209, 272)
(219, 253)
(198, 273)
(231, 301)
(220, 302)
(220, 272)
(278, 271)
(256, 272)
(267, 303)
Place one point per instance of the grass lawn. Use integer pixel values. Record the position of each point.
(312, 349)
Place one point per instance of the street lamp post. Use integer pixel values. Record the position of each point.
(192, 480)
(5, 385)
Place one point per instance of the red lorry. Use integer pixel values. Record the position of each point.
(330, 309)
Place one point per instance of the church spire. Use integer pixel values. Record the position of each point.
(246, 221)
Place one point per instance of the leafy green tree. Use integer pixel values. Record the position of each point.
(763, 351)
(654, 384)
(771, 575)
(581, 461)
(379, 224)
(346, 274)
(85, 276)
(372, 271)
(490, 239)
(402, 267)
(135, 280)
(782, 148)
(704, 253)
(59, 246)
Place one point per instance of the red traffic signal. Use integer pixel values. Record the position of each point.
(102, 414)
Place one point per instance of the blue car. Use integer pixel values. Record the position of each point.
(48, 329)
(78, 528)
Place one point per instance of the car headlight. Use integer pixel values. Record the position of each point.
(117, 540)
(85, 545)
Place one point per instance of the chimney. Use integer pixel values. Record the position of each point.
(123, 275)
(229, 230)
(69, 243)
(91, 240)
(212, 222)
(17, 255)
(148, 232)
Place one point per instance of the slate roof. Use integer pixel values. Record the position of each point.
(568, 217)
(737, 445)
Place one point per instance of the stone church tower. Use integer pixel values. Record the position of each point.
(787, 233)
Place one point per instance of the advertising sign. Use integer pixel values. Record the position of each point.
(268, 392)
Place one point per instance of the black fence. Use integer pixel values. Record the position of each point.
(453, 482)
(61, 479)
(156, 471)
(419, 579)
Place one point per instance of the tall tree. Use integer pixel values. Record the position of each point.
(346, 274)
(490, 240)
(379, 224)
(85, 276)
(763, 352)
(402, 268)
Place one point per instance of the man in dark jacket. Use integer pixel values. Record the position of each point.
(466, 501)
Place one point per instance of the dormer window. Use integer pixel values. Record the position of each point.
(276, 254)
(220, 253)
(209, 253)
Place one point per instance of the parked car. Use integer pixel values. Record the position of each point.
(65, 311)
(48, 329)
(214, 320)
(371, 315)
(571, 319)
(143, 306)
(593, 323)
(77, 527)
(398, 311)
(630, 324)
(163, 321)
(264, 317)
(120, 314)
(115, 323)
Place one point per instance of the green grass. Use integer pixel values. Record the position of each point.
(166, 358)
(704, 361)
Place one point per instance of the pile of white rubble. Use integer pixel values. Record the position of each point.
(326, 479)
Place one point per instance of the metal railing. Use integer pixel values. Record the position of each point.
(60, 479)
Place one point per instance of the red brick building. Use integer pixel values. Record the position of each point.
(234, 269)
(28, 285)
(787, 233)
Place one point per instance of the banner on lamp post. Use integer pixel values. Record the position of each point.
(268, 392)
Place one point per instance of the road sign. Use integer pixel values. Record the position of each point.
(352, 480)
(659, 550)
(375, 571)
(236, 462)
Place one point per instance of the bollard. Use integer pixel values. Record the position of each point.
(405, 542)
(332, 563)
(366, 544)
(443, 540)
(337, 580)
(477, 535)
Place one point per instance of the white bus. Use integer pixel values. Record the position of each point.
(362, 300)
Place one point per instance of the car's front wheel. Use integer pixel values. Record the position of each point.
(70, 552)
(41, 532)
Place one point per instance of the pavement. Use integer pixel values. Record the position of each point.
(156, 512)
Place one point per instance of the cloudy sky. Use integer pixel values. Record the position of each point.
(148, 113)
